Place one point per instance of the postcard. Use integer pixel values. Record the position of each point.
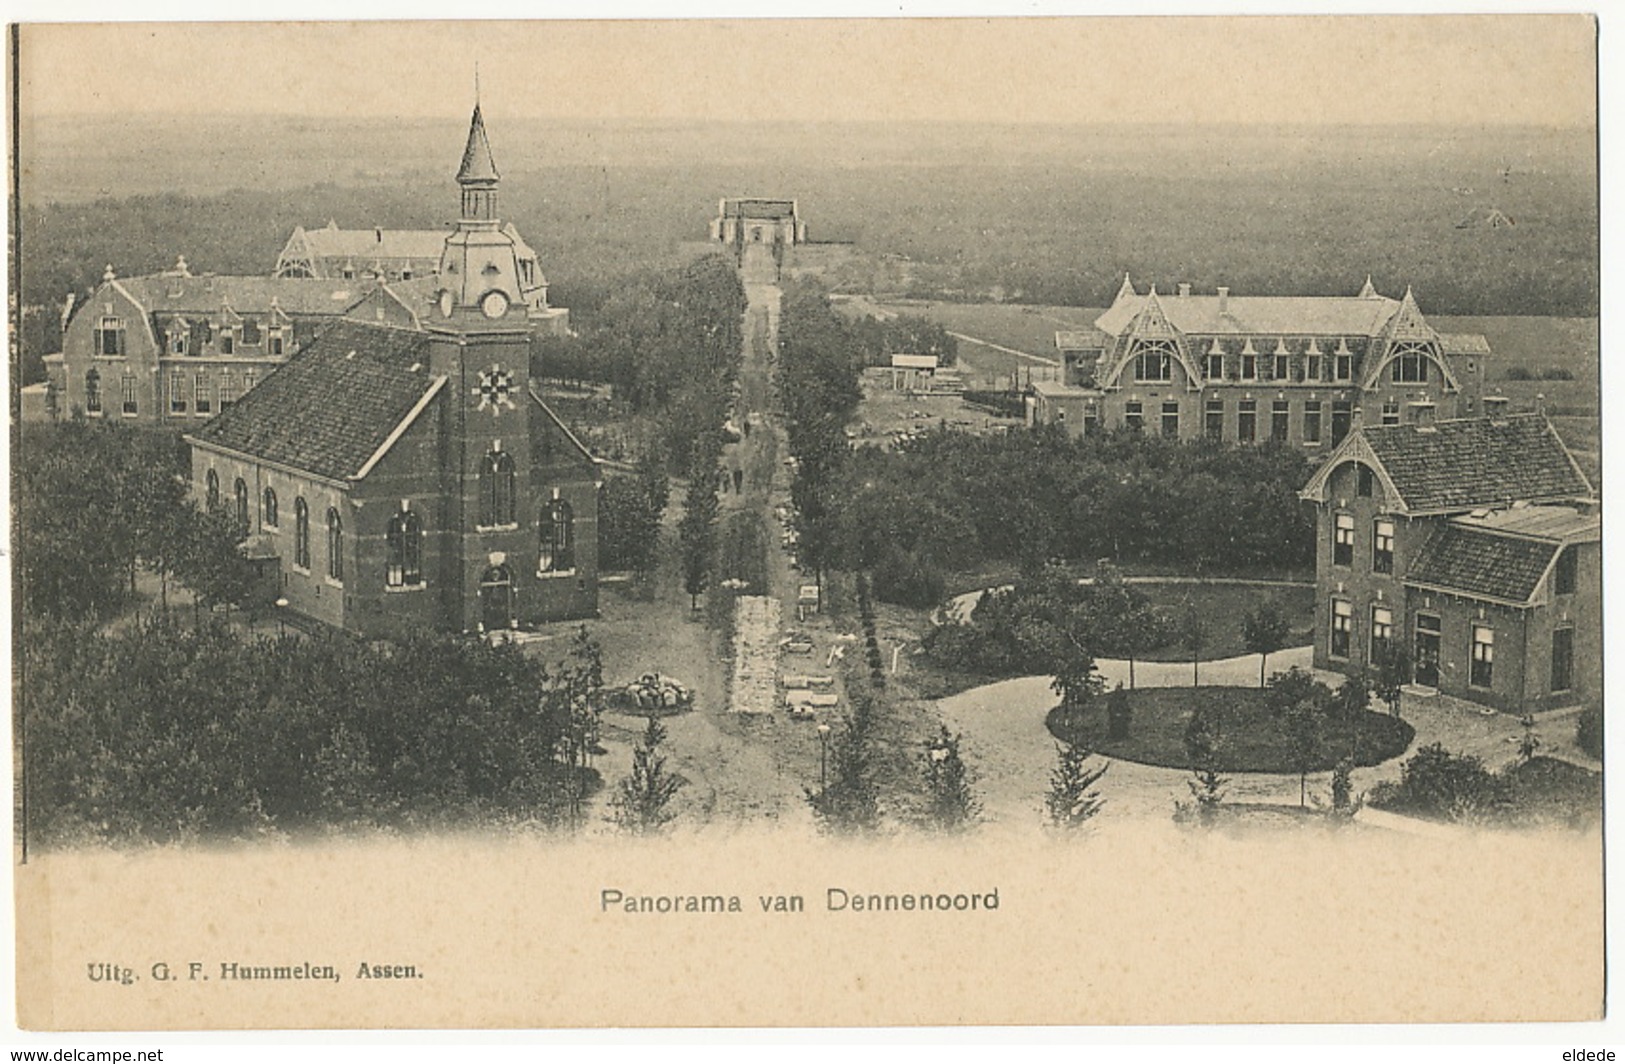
(806, 522)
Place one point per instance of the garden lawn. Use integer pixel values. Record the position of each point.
(1223, 606)
(1253, 739)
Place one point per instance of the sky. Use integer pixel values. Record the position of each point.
(1458, 70)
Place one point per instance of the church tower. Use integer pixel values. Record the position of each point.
(481, 343)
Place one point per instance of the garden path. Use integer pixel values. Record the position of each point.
(1013, 753)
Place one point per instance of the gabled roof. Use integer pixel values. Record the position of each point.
(333, 407)
(169, 293)
(1081, 340)
(1462, 464)
(1481, 563)
(478, 165)
(365, 245)
(1258, 315)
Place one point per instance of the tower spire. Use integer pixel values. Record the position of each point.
(478, 173)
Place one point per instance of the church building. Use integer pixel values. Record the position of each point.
(401, 472)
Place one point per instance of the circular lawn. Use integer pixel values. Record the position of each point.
(1252, 737)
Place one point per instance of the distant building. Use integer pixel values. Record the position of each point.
(1474, 544)
(912, 373)
(1298, 369)
(400, 472)
(757, 221)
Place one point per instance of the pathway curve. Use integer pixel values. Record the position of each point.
(1013, 753)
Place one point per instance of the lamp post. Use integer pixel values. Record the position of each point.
(281, 615)
(823, 757)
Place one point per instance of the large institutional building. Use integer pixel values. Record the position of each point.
(1475, 545)
(176, 349)
(370, 423)
(1302, 370)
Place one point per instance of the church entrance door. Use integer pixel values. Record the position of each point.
(496, 598)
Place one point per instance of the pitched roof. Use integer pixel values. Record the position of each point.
(1470, 462)
(1080, 339)
(1258, 315)
(364, 245)
(759, 208)
(172, 293)
(478, 165)
(333, 406)
(1464, 344)
(1481, 562)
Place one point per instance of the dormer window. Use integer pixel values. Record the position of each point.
(110, 337)
(1215, 362)
(1410, 365)
(1155, 362)
(228, 342)
(273, 343)
(251, 332)
(177, 343)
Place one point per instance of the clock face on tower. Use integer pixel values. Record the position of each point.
(494, 304)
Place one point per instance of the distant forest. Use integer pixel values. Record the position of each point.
(1051, 215)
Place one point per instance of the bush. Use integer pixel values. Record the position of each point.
(1437, 783)
(1588, 731)
(904, 580)
(1519, 373)
(1556, 373)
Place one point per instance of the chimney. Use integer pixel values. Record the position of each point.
(1184, 290)
(1495, 407)
(378, 235)
(1224, 299)
(1540, 402)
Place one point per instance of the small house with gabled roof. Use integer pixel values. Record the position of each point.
(1472, 544)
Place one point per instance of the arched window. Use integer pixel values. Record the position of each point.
(301, 533)
(335, 544)
(405, 567)
(211, 495)
(497, 490)
(93, 392)
(1410, 364)
(268, 514)
(557, 538)
(1154, 360)
(239, 493)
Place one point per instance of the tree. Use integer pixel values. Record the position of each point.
(1193, 636)
(1352, 697)
(1203, 740)
(212, 562)
(1124, 621)
(1529, 742)
(1119, 714)
(697, 530)
(1344, 804)
(643, 797)
(1072, 800)
(1390, 672)
(1304, 728)
(950, 804)
(1264, 631)
(848, 803)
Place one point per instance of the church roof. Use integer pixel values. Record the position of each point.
(333, 407)
(1201, 315)
(478, 164)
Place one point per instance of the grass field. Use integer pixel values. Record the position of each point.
(1252, 738)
